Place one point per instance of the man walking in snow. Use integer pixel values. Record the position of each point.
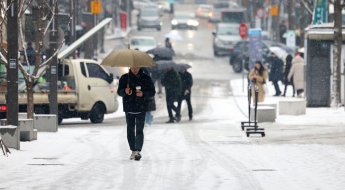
(172, 83)
(135, 88)
(187, 83)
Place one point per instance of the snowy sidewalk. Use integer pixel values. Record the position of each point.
(314, 116)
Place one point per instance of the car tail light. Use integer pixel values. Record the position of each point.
(199, 10)
(3, 108)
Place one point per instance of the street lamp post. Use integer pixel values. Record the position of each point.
(12, 60)
(53, 69)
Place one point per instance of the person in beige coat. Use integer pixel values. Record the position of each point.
(297, 72)
(260, 75)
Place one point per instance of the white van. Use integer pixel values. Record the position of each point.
(85, 90)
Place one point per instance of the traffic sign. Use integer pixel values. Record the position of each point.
(274, 11)
(243, 30)
(260, 12)
(96, 7)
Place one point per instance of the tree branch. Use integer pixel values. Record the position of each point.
(47, 62)
(22, 10)
(306, 7)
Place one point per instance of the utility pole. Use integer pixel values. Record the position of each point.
(53, 69)
(12, 59)
(72, 25)
(275, 20)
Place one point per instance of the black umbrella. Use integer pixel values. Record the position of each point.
(162, 52)
(163, 65)
(183, 66)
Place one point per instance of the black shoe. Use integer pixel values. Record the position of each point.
(283, 95)
(190, 118)
(170, 121)
(137, 156)
(178, 118)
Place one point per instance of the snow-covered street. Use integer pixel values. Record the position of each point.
(210, 152)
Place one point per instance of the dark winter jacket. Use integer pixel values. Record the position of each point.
(172, 82)
(187, 81)
(276, 69)
(151, 101)
(288, 65)
(168, 44)
(132, 103)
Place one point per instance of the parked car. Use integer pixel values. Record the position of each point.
(143, 43)
(241, 52)
(225, 37)
(184, 20)
(203, 10)
(149, 17)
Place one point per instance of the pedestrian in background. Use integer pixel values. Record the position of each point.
(172, 83)
(171, 3)
(276, 72)
(288, 64)
(259, 77)
(297, 73)
(30, 52)
(167, 43)
(135, 88)
(151, 102)
(187, 83)
(282, 31)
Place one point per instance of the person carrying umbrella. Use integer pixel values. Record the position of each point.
(172, 83)
(135, 87)
(187, 83)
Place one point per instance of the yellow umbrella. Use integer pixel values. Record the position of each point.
(128, 58)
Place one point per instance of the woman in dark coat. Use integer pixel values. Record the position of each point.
(288, 65)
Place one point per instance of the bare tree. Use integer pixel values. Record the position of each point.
(339, 5)
(46, 14)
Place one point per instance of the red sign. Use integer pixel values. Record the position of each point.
(123, 20)
(243, 30)
(260, 12)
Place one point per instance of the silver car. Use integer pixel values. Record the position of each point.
(225, 37)
(149, 17)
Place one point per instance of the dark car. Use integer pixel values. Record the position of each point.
(241, 49)
(149, 17)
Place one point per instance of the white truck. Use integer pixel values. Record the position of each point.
(85, 90)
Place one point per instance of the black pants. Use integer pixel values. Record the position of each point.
(276, 87)
(135, 130)
(170, 99)
(293, 88)
(189, 104)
